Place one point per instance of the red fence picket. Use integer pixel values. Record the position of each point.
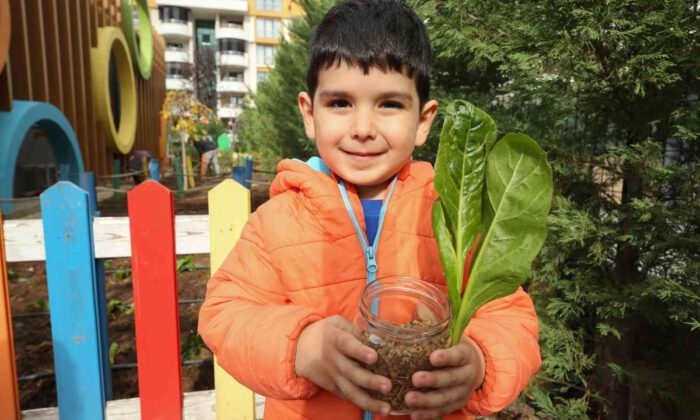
(152, 226)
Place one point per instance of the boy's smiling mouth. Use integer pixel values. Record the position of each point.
(362, 155)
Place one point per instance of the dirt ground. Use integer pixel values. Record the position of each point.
(32, 333)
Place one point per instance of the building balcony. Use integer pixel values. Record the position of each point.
(177, 83)
(239, 6)
(232, 59)
(232, 86)
(176, 56)
(234, 32)
(229, 111)
(175, 30)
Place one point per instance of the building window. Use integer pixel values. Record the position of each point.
(231, 46)
(268, 28)
(173, 14)
(266, 55)
(174, 46)
(269, 5)
(262, 76)
(235, 100)
(206, 39)
(233, 76)
(173, 70)
(232, 23)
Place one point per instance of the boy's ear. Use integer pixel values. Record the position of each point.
(427, 115)
(306, 109)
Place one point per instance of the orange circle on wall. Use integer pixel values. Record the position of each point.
(4, 32)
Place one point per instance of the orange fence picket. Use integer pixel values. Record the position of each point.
(9, 397)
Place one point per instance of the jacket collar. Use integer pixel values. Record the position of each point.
(318, 192)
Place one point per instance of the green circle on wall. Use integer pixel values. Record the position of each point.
(224, 143)
(141, 50)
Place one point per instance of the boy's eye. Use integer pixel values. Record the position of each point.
(339, 103)
(392, 104)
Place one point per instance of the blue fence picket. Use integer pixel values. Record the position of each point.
(76, 328)
(87, 183)
(154, 169)
(238, 175)
(248, 171)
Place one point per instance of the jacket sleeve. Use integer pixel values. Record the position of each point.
(506, 330)
(249, 323)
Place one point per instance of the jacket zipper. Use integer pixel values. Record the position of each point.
(369, 250)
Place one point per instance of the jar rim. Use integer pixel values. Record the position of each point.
(391, 284)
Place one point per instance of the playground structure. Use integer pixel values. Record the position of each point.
(73, 243)
(87, 76)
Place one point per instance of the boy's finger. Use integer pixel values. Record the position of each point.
(458, 355)
(351, 347)
(360, 398)
(364, 378)
(446, 397)
(442, 378)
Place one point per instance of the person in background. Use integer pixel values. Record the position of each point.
(208, 153)
(135, 164)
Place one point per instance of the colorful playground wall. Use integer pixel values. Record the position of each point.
(54, 73)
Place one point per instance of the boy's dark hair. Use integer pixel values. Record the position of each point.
(372, 33)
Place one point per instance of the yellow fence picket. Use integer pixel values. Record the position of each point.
(229, 208)
(190, 173)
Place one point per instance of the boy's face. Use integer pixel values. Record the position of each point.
(366, 125)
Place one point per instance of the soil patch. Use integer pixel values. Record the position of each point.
(194, 202)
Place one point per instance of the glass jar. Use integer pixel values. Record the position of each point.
(404, 320)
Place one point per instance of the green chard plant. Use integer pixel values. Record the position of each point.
(494, 201)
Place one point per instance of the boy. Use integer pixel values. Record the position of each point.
(277, 312)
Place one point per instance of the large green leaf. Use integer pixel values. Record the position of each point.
(519, 185)
(467, 134)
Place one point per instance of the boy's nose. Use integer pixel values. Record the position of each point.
(362, 127)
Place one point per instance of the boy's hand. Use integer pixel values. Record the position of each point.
(328, 355)
(460, 372)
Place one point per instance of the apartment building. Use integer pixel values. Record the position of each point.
(244, 33)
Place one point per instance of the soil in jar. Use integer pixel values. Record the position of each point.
(399, 359)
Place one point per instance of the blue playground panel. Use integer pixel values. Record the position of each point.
(14, 126)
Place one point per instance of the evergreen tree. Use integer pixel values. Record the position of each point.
(272, 128)
(610, 90)
(204, 76)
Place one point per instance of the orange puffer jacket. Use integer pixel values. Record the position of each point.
(299, 260)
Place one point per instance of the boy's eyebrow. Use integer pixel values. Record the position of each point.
(397, 95)
(332, 93)
(386, 95)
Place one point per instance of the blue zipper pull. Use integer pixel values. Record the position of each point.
(371, 259)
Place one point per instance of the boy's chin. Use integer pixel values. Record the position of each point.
(367, 182)
(368, 178)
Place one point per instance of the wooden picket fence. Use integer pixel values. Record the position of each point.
(73, 244)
